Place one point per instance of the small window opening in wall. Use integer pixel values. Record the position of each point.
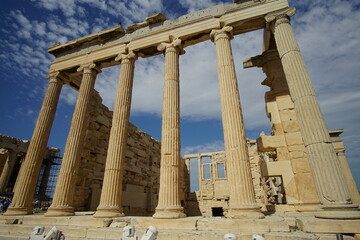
(206, 171)
(217, 212)
(206, 159)
(194, 174)
(220, 170)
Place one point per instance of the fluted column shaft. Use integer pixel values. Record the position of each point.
(65, 187)
(169, 205)
(326, 169)
(30, 169)
(7, 170)
(110, 201)
(242, 195)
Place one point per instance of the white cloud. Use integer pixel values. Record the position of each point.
(40, 28)
(68, 95)
(68, 7)
(203, 148)
(193, 6)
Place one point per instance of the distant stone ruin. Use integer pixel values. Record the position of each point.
(12, 154)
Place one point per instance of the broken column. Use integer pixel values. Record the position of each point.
(329, 180)
(65, 187)
(169, 205)
(30, 169)
(110, 201)
(242, 195)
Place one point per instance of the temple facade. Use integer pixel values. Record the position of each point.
(280, 172)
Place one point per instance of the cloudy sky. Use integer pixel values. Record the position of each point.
(327, 32)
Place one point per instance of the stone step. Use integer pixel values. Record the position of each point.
(269, 224)
(84, 226)
(20, 231)
(77, 220)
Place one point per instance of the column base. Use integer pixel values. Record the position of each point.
(169, 212)
(345, 211)
(251, 211)
(108, 212)
(16, 211)
(60, 212)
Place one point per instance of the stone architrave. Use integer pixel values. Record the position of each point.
(65, 187)
(29, 172)
(329, 180)
(169, 205)
(242, 194)
(7, 170)
(111, 194)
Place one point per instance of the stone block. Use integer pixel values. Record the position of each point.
(273, 112)
(134, 188)
(134, 199)
(318, 225)
(291, 126)
(277, 168)
(95, 233)
(284, 102)
(188, 223)
(287, 115)
(270, 143)
(103, 120)
(277, 128)
(299, 147)
(306, 188)
(300, 165)
(292, 195)
(293, 138)
(73, 232)
(333, 237)
(297, 154)
(282, 154)
(243, 225)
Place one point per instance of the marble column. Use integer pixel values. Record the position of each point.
(65, 186)
(29, 172)
(329, 180)
(169, 205)
(7, 170)
(242, 194)
(111, 194)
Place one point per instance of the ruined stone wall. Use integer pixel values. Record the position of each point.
(213, 194)
(141, 170)
(256, 172)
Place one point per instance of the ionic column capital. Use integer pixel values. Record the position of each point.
(55, 77)
(126, 57)
(225, 32)
(89, 68)
(174, 46)
(280, 17)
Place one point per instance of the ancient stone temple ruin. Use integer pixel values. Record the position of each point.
(111, 167)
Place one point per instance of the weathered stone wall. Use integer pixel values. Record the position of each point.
(214, 189)
(141, 170)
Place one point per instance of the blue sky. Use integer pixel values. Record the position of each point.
(327, 32)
